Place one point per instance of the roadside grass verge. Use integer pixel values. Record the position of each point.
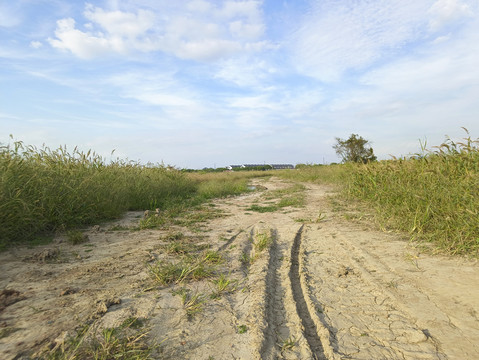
(321, 174)
(432, 196)
(43, 191)
(217, 185)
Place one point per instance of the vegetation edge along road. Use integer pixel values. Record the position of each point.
(433, 196)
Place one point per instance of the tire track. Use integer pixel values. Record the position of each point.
(246, 255)
(310, 329)
(273, 301)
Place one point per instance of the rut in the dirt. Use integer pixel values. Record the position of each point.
(310, 330)
(245, 263)
(274, 301)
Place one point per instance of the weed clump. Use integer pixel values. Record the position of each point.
(76, 237)
(128, 342)
(185, 269)
(242, 329)
(263, 209)
(223, 284)
(192, 303)
(262, 242)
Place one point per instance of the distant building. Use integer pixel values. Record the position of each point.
(282, 166)
(257, 165)
(265, 166)
(232, 167)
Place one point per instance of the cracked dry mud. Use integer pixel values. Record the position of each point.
(329, 289)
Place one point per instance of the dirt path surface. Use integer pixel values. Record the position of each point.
(299, 283)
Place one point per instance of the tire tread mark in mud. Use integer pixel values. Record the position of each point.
(247, 252)
(310, 330)
(268, 347)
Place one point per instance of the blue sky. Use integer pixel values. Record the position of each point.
(203, 83)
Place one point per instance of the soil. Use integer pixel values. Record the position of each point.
(329, 286)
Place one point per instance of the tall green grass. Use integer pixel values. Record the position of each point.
(324, 174)
(43, 190)
(434, 197)
(216, 185)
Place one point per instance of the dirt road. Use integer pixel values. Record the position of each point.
(298, 283)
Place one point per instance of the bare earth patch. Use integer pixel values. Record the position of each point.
(295, 283)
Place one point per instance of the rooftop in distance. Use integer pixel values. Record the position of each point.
(263, 166)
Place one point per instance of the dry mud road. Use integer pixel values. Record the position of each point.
(298, 283)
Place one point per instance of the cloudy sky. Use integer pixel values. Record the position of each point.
(203, 83)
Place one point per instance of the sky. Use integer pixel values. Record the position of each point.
(209, 83)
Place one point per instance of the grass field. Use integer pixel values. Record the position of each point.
(433, 196)
(44, 190)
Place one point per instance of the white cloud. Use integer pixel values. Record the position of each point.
(36, 44)
(199, 6)
(162, 99)
(444, 66)
(339, 36)
(249, 9)
(240, 29)
(200, 31)
(158, 89)
(416, 96)
(81, 44)
(121, 24)
(254, 102)
(245, 72)
(191, 29)
(211, 49)
(445, 12)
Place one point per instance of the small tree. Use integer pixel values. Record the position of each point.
(354, 149)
